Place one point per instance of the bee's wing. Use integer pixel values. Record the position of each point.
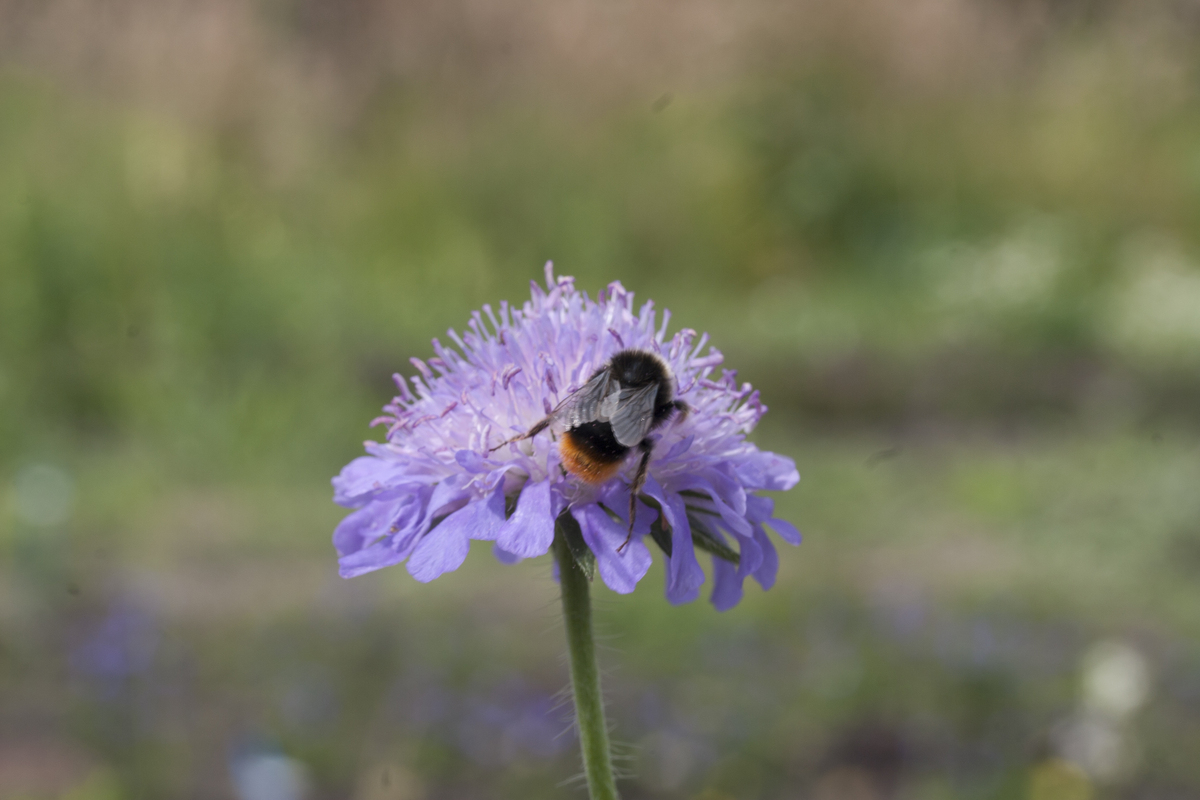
(611, 401)
(590, 401)
(634, 414)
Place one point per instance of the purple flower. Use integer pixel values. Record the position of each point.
(432, 486)
(121, 646)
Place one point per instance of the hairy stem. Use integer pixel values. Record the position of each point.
(585, 677)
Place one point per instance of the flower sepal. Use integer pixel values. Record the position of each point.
(568, 527)
(710, 542)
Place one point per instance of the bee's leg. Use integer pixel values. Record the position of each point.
(682, 409)
(639, 480)
(529, 434)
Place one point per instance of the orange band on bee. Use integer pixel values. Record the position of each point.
(583, 465)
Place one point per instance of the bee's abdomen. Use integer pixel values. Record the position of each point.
(591, 452)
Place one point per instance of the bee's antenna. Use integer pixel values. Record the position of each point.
(529, 434)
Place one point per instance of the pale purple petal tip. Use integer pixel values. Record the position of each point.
(727, 585)
(503, 556)
(769, 566)
(364, 478)
(369, 559)
(786, 530)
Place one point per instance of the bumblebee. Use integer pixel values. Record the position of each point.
(612, 415)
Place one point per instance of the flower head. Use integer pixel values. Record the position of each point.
(432, 486)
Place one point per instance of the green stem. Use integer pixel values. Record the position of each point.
(585, 677)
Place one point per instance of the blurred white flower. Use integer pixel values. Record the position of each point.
(1155, 309)
(1116, 679)
(269, 776)
(1017, 272)
(1098, 738)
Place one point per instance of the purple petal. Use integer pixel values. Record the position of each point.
(365, 477)
(728, 489)
(364, 526)
(530, 531)
(769, 568)
(779, 472)
(445, 547)
(750, 555)
(489, 520)
(380, 450)
(377, 556)
(679, 448)
(736, 522)
(768, 471)
(727, 585)
(786, 530)
(503, 556)
(448, 496)
(759, 509)
(619, 571)
(615, 496)
(390, 518)
(684, 575)
(471, 461)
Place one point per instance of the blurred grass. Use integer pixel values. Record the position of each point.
(956, 249)
(939, 606)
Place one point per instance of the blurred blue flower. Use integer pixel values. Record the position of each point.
(499, 728)
(432, 486)
(120, 646)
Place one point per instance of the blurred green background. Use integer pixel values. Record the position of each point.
(954, 242)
